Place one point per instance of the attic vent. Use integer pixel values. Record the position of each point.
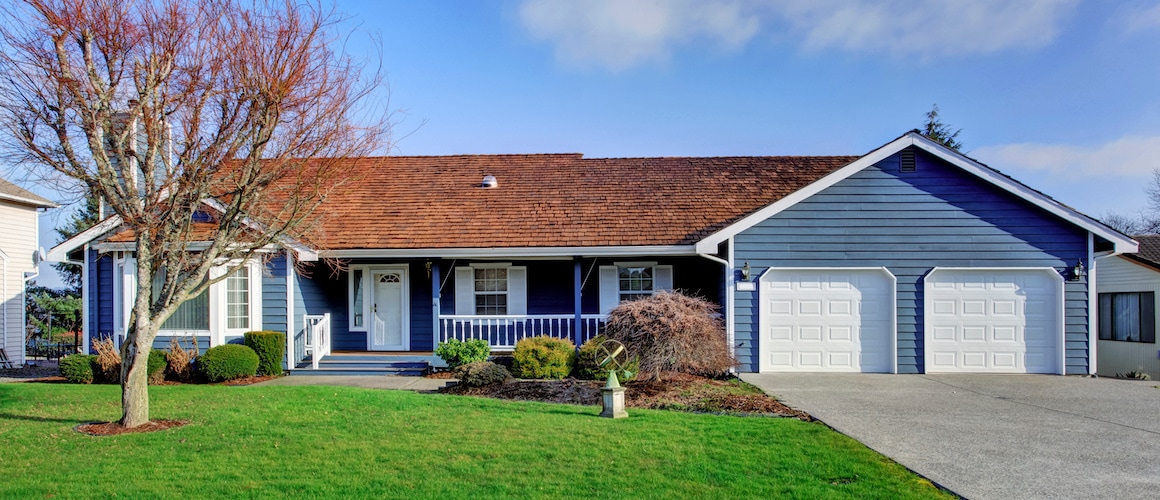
(907, 163)
(489, 182)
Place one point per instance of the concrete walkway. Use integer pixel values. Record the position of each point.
(996, 436)
(364, 381)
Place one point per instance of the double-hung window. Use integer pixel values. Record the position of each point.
(1128, 317)
(491, 289)
(632, 280)
(238, 299)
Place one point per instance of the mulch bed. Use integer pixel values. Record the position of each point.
(114, 428)
(678, 392)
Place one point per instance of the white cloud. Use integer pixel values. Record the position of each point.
(1136, 18)
(617, 34)
(1125, 157)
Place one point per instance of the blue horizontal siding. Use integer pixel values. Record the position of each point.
(274, 295)
(938, 216)
(100, 295)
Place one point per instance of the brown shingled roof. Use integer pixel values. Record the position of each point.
(1149, 253)
(559, 200)
(12, 192)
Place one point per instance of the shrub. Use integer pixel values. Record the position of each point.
(586, 368)
(107, 362)
(543, 357)
(270, 347)
(156, 367)
(456, 353)
(77, 368)
(228, 362)
(672, 332)
(481, 373)
(181, 361)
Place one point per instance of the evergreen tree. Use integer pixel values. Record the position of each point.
(940, 132)
(80, 220)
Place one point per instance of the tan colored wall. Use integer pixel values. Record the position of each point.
(1117, 274)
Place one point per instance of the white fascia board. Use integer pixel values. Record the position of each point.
(303, 251)
(520, 252)
(1122, 242)
(28, 201)
(60, 252)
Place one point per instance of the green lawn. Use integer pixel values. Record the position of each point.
(338, 442)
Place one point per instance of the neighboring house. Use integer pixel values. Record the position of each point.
(1127, 286)
(910, 259)
(19, 222)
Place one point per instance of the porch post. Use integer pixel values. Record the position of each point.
(435, 334)
(576, 280)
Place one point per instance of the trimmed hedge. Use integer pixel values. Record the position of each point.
(543, 357)
(586, 368)
(457, 353)
(77, 368)
(481, 373)
(156, 367)
(270, 347)
(228, 362)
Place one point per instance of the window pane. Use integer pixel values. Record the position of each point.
(635, 282)
(238, 299)
(1126, 317)
(192, 315)
(357, 277)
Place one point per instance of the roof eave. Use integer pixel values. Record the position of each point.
(514, 252)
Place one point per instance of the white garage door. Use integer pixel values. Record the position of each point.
(827, 320)
(994, 320)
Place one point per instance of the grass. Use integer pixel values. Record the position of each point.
(267, 442)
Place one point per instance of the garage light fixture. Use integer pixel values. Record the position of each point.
(745, 271)
(1078, 272)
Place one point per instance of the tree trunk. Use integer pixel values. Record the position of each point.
(134, 382)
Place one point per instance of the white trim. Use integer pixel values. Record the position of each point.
(60, 252)
(730, 300)
(405, 310)
(41, 203)
(513, 252)
(291, 356)
(1061, 317)
(893, 306)
(254, 282)
(1122, 242)
(366, 298)
(1093, 306)
(305, 253)
(86, 319)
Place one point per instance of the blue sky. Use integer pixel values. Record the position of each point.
(1061, 94)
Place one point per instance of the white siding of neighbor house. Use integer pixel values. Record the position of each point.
(1118, 274)
(18, 242)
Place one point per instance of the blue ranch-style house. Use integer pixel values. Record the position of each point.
(910, 259)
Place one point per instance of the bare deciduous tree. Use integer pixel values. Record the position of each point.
(1145, 222)
(161, 108)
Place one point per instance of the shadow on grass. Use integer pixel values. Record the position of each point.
(30, 418)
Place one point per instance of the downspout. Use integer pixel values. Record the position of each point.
(4, 306)
(291, 356)
(728, 298)
(85, 318)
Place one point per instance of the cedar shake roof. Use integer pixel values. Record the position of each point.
(552, 200)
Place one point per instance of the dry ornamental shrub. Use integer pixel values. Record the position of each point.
(481, 373)
(107, 364)
(181, 361)
(543, 357)
(672, 332)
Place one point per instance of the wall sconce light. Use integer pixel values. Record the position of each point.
(428, 266)
(1078, 272)
(745, 271)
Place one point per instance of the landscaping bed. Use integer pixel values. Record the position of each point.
(677, 392)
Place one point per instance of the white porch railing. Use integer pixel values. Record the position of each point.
(502, 332)
(317, 328)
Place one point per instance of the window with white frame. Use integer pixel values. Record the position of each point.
(634, 281)
(491, 291)
(238, 299)
(191, 315)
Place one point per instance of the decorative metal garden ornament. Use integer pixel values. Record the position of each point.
(612, 355)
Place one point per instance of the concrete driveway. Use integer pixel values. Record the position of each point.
(996, 436)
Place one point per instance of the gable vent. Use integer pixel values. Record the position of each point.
(906, 161)
(489, 182)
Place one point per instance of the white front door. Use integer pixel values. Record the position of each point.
(389, 311)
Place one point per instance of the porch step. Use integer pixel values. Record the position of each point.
(366, 364)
